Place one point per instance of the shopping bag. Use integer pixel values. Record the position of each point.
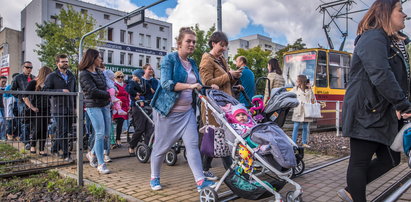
(312, 110)
(213, 143)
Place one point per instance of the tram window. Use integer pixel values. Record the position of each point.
(338, 72)
(321, 72)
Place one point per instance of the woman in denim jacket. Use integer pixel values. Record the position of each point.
(174, 116)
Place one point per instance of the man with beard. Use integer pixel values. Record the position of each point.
(62, 107)
(20, 83)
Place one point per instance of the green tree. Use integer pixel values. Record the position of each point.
(64, 36)
(297, 45)
(257, 60)
(202, 42)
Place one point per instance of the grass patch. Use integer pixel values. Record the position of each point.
(49, 186)
(9, 153)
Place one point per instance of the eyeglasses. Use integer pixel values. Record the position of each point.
(120, 77)
(29, 67)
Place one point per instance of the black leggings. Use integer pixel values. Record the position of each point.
(39, 130)
(119, 127)
(362, 169)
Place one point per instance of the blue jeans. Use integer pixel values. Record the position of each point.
(101, 120)
(305, 131)
(91, 136)
(23, 128)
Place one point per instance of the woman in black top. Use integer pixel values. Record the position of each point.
(97, 102)
(38, 110)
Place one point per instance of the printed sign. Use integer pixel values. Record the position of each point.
(5, 71)
(133, 49)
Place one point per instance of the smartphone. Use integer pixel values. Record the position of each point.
(308, 80)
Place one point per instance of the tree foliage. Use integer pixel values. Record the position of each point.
(64, 36)
(297, 45)
(257, 60)
(202, 42)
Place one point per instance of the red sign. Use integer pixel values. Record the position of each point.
(289, 58)
(5, 71)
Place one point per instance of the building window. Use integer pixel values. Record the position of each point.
(122, 57)
(148, 58)
(130, 37)
(141, 41)
(148, 41)
(106, 17)
(130, 59)
(164, 43)
(140, 60)
(83, 11)
(59, 6)
(110, 34)
(23, 33)
(145, 25)
(22, 57)
(102, 51)
(158, 42)
(54, 19)
(110, 57)
(122, 35)
(158, 62)
(161, 29)
(101, 34)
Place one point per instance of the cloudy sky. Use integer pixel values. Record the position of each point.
(283, 20)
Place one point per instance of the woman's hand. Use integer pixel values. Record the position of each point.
(215, 87)
(403, 115)
(236, 74)
(195, 86)
(34, 109)
(240, 87)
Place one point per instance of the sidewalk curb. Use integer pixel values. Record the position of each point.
(109, 190)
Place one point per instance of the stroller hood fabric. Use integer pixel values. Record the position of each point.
(280, 99)
(280, 146)
(221, 98)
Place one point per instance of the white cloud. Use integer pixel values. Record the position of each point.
(204, 12)
(10, 11)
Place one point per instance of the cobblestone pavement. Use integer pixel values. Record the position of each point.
(132, 178)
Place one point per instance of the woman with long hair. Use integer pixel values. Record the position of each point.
(376, 97)
(39, 111)
(304, 95)
(97, 102)
(174, 114)
(275, 76)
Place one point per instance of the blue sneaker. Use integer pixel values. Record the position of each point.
(155, 184)
(206, 183)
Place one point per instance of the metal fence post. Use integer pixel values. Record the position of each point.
(80, 124)
(337, 118)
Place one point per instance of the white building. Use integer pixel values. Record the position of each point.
(124, 49)
(252, 41)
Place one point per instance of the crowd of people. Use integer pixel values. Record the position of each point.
(372, 112)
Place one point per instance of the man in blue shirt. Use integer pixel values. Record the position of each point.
(247, 80)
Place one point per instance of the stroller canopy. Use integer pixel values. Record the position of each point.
(280, 99)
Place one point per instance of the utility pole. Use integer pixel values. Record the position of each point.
(219, 17)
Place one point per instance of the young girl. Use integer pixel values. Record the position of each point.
(304, 95)
(112, 90)
(240, 119)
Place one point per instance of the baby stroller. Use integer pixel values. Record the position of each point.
(276, 110)
(242, 177)
(402, 142)
(143, 148)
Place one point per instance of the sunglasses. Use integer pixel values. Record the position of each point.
(29, 67)
(120, 77)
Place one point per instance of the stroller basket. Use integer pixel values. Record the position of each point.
(244, 188)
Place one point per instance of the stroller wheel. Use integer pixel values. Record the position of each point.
(299, 168)
(208, 194)
(143, 152)
(289, 197)
(171, 157)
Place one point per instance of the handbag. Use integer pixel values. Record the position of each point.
(213, 143)
(312, 110)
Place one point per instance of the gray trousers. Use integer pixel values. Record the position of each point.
(167, 131)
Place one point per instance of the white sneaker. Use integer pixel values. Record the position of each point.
(107, 159)
(102, 169)
(92, 159)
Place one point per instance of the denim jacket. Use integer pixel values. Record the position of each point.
(172, 72)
